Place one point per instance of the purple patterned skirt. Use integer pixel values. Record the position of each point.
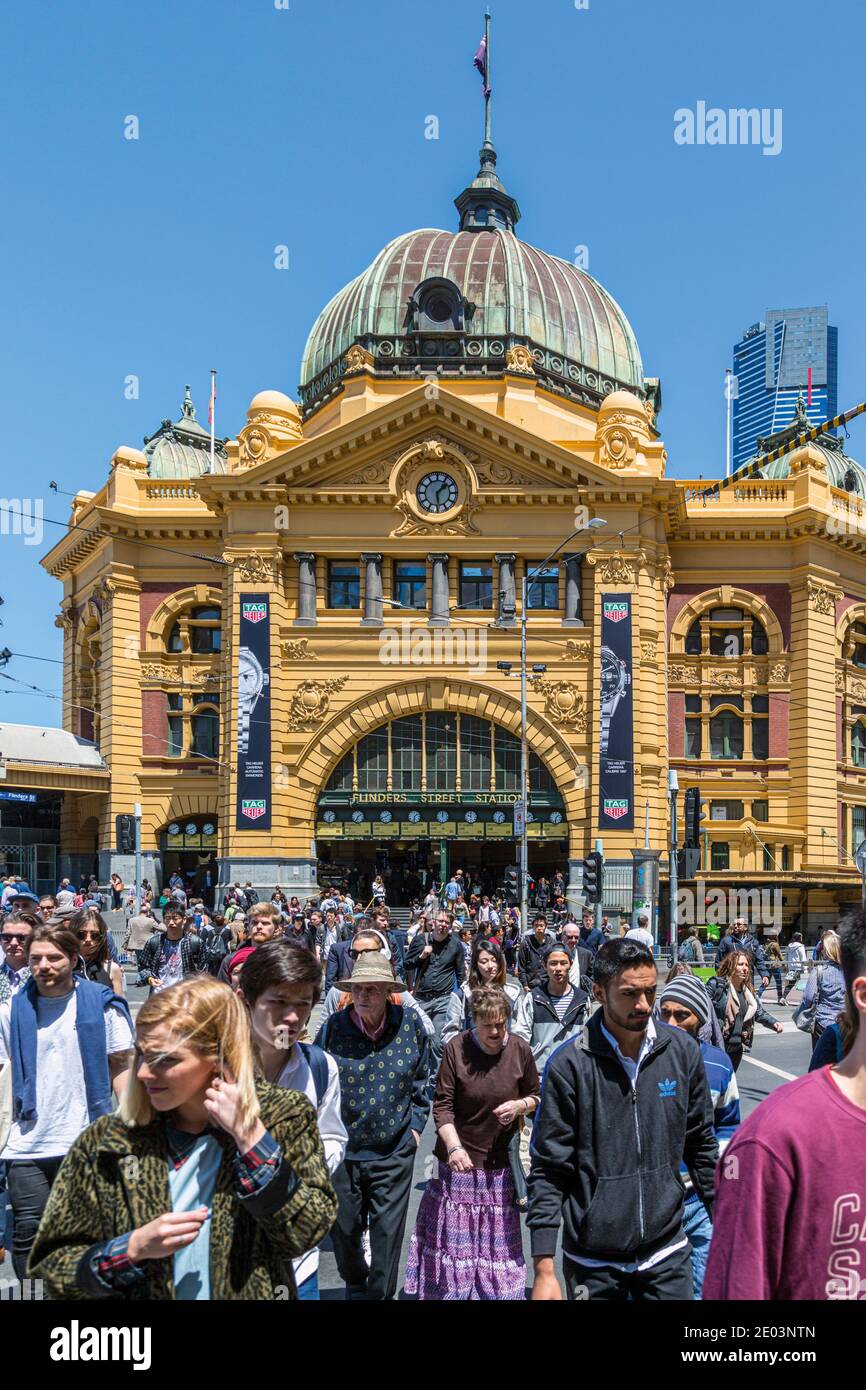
(466, 1243)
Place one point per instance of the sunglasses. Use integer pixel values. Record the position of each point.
(90, 936)
(15, 936)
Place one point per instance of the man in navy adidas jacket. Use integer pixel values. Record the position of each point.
(620, 1110)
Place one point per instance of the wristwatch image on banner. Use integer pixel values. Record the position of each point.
(251, 682)
(615, 680)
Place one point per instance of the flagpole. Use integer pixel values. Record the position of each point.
(487, 84)
(212, 421)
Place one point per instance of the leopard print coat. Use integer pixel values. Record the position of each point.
(115, 1179)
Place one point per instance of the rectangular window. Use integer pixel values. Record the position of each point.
(693, 738)
(726, 810)
(720, 855)
(785, 857)
(760, 704)
(760, 738)
(540, 779)
(406, 748)
(734, 700)
(175, 726)
(441, 752)
(344, 585)
(476, 586)
(373, 762)
(726, 736)
(768, 860)
(410, 583)
(761, 810)
(205, 731)
(693, 704)
(474, 754)
(506, 758)
(542, 590)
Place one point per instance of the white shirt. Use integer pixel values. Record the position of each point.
(297, 1076)
(795, 955)
(61, 1098)
(632, 1068)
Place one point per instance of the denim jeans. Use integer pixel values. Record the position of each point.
(29, 1185)
(699, 1229)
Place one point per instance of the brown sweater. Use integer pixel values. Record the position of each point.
(471, 1084)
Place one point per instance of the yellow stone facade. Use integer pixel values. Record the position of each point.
(142, 554)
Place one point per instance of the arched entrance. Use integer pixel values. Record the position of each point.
(427, 793)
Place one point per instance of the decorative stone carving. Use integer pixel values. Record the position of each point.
(684, 675)
(727, 680)
(206, 678)
(500, 475)
(358, 359)
(373, 473)
(159, 671)
(821, 598)
(298, 651)
(311, 701)
(518, 359)
(666, 575)
(563, 703)
(434, 452)
(858, 691)
(578, 651)
(649, 650)
(617, 446)
(615, 567)
(104, 593)
(254, 445)
(65, 620)
(256, 569)
(779, 671)
(840, 683)
(649, 411)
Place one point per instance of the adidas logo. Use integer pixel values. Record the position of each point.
(667, 1087)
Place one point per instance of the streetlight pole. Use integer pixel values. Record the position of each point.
(594, 524)
(673, 788)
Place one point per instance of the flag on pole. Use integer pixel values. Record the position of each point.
(211, 419)
(480, 62)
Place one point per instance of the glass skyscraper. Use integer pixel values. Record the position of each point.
(771, 369)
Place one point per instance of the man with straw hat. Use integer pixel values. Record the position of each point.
(383, 1057)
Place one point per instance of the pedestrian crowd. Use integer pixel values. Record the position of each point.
(273, 1089)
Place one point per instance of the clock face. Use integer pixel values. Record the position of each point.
(436, 492)
(385, 816)
(329, 816)
(357, 816)
(499, 817)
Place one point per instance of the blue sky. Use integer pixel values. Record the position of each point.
(305, 127)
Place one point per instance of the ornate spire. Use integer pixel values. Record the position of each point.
(485, 206)
(188, 409)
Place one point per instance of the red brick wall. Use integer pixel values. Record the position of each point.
(154, 725)
(676, 723)
(840, 728)
(776, 596)
(780, 702)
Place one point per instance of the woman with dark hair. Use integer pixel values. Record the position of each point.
(737, 1008)
(116, 891)
(204, 1185)
(486, 967)
(280, 984)
(95, 961)
(710, 1032)
(467, 1243)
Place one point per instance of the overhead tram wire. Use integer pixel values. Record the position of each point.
(752, 470)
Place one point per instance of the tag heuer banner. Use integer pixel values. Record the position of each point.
(253, 750)
(616, 794)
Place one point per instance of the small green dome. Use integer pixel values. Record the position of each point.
(843, 472)
(182, 450)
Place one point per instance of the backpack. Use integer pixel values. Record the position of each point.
(804, 1014)
(251, 896)
(687, 951)
(317, 1061)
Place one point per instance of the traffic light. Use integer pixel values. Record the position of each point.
(692, 818)
(688, 862)
(125, 832)
(512, 883)
(593, 877)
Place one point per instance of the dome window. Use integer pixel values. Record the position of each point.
(438, 307)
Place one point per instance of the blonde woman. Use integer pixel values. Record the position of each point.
(204, 1185)
(737, 1008)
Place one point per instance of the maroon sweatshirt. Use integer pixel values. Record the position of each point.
(790, 1213)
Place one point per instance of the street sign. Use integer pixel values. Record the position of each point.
(860, 857)
(520, 818)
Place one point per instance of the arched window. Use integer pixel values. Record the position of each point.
(439, 306)
(726, 735)
(858, 743)
(857, 637)
(193, 724)
(198, 629)
(727, 632)
(438, 752)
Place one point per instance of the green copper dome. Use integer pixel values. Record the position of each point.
(455, 302)
(182, 450)
(843, 472)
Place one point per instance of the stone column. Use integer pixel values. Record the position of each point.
(306, 589)
(439, 592)
(507, 608)
(572, 591)
(372, 590)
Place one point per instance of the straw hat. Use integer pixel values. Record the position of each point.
(371, 968)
